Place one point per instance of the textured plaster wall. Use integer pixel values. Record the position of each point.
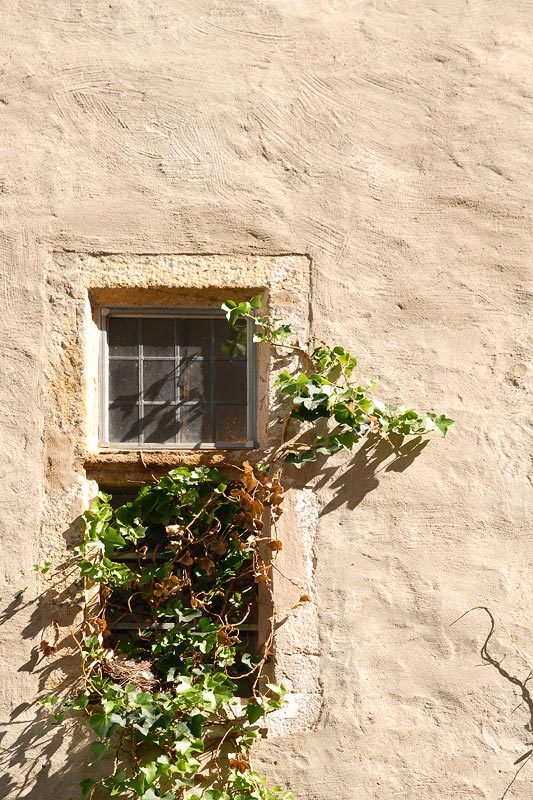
(393, 144)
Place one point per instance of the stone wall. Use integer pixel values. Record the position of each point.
(391, 145)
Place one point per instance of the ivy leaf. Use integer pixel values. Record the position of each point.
(150, 795)
(49, 700)
(181, 746)
(277, 688)
(346, 439)
(299, 459)
(254, 712)
(147, 720)
(442, 423)
(150, 771)
(327, 447)
(87, 786)
(255, 301)
(228, 306)
(100, 725)
(250, 661)
(81, 701)
(209, 701)
(117, 719)
(195, 724)
(98, 749)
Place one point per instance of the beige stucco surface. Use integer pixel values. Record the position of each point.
(391, 143)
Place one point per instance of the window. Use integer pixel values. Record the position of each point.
(175, 378)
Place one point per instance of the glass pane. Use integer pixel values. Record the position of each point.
(231, 424)
(195, 381)
(230, 382)
(123, 423)
(159, 380)
(158, 337)
(123, 336)
(194, 338)
(230, 342)
(160, 424)
(195, 424)
(124, 381)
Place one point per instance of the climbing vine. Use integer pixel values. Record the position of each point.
(325, 399)
(176, 703)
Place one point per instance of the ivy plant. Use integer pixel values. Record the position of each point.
(324, 397)
(180, 697)
(175, 705)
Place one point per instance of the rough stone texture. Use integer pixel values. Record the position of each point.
(393, 144)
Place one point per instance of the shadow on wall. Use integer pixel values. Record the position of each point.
(31, 744)
(32, 767)
(362, 475)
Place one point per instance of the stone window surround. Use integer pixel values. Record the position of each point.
(79, 284)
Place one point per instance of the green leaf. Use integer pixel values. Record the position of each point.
(49, 700)
(80, 702)
(277, 688)
(150, 771)
(43, 569)
(100, 725)
(98, 749)
(254, 712)
(255, 301)
(87, 786)
(150, 795)
(299, 459)
(346, 439)
(182, 746)
(327, 446)
(234, 316)
(209, 700)
(442, 423)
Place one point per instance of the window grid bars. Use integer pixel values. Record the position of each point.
(177, 373)
(140, 409)
(198, 313)
(213, 383)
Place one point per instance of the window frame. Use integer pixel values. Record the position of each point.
(171, 312)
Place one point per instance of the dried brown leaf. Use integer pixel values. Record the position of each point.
(47, 649)
(219, 547)
(206, 564)
(240, 763)
(174, 530)
(249, 480)
(224, 639)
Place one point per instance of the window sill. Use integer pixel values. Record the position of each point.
(111, 468)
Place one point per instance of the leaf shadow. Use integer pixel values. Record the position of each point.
(373, 457)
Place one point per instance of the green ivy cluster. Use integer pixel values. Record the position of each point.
(322, 391)
(182, 560)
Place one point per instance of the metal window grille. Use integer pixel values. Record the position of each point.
(176, 379)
